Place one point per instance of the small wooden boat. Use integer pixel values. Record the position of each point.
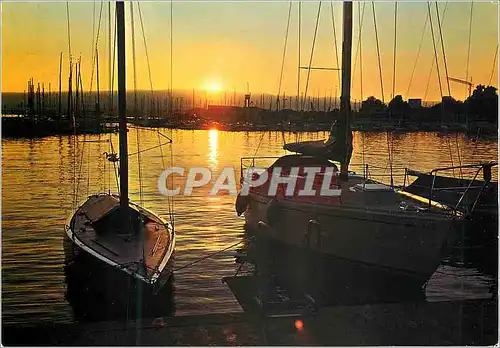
(140, 244)
(110, 228)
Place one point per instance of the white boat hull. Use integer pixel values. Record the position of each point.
(394, 244)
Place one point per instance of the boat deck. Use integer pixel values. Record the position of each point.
(138, 246)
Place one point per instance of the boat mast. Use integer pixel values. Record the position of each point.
(345, 97)
(122, 104)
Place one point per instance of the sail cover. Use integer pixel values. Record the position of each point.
(334, 148)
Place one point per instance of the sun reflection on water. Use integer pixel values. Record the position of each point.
(213, 142)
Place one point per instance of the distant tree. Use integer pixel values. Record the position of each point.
(398, 108)
(483, 103)
(371, 105)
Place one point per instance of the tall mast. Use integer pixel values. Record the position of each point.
(122, 104)
(345, 134)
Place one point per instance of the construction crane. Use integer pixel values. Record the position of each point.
(470, 84)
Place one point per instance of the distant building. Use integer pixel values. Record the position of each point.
(415, 103)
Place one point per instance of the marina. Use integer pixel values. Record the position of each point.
(34, 281)
(138, 214)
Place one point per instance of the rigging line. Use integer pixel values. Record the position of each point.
(134, 65)
(391, 144)
(171, 56)
(476, 143)
(94, 59)
(166, 198)
(80, 168)
(210, 255)
(139, 166)
(69, 31)
(172, 180)
(378, 52)
(100, 166)
(132, 25)
(281, 74)
(435, 50)
(361, 19)
(358, 45)
(114, 165)
(418, 55)
(429, 79)
(468, 49)
(93, 38)
(148, 149)
(298, 58)
(394, 52)
(284, 54)
(449, 147)
(442, 48)
(113, 68)
(110, 95)
(494, 65)
(335, 40)
(145, 47)
(312, 53)
(459, 155)
(88, 172)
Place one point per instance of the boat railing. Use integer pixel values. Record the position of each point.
(376, 173)
(471, 185)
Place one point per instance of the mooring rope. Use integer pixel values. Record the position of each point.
(210, 255)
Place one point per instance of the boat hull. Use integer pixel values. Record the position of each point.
(147, 256)
(358, 247)
(97, 291)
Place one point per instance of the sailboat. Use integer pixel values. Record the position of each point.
(110, 228)
(365, 231)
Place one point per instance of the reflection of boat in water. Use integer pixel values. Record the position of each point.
(96, 292)
(273, 280)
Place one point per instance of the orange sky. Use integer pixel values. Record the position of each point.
(227, 44)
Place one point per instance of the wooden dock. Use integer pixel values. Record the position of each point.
(423, 323)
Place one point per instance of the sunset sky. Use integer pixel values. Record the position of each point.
(224, 45)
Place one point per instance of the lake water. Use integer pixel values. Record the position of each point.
(38, 194)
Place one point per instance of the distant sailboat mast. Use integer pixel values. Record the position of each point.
(122, 105)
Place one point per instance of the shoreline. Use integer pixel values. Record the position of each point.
(21, 127)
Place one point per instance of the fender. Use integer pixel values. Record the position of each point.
(241, 203)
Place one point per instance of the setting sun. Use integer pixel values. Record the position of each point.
(213, 86)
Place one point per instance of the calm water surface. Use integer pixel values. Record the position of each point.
(38, 194)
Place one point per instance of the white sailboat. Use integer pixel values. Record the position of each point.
(368, 232)
(113, 230)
